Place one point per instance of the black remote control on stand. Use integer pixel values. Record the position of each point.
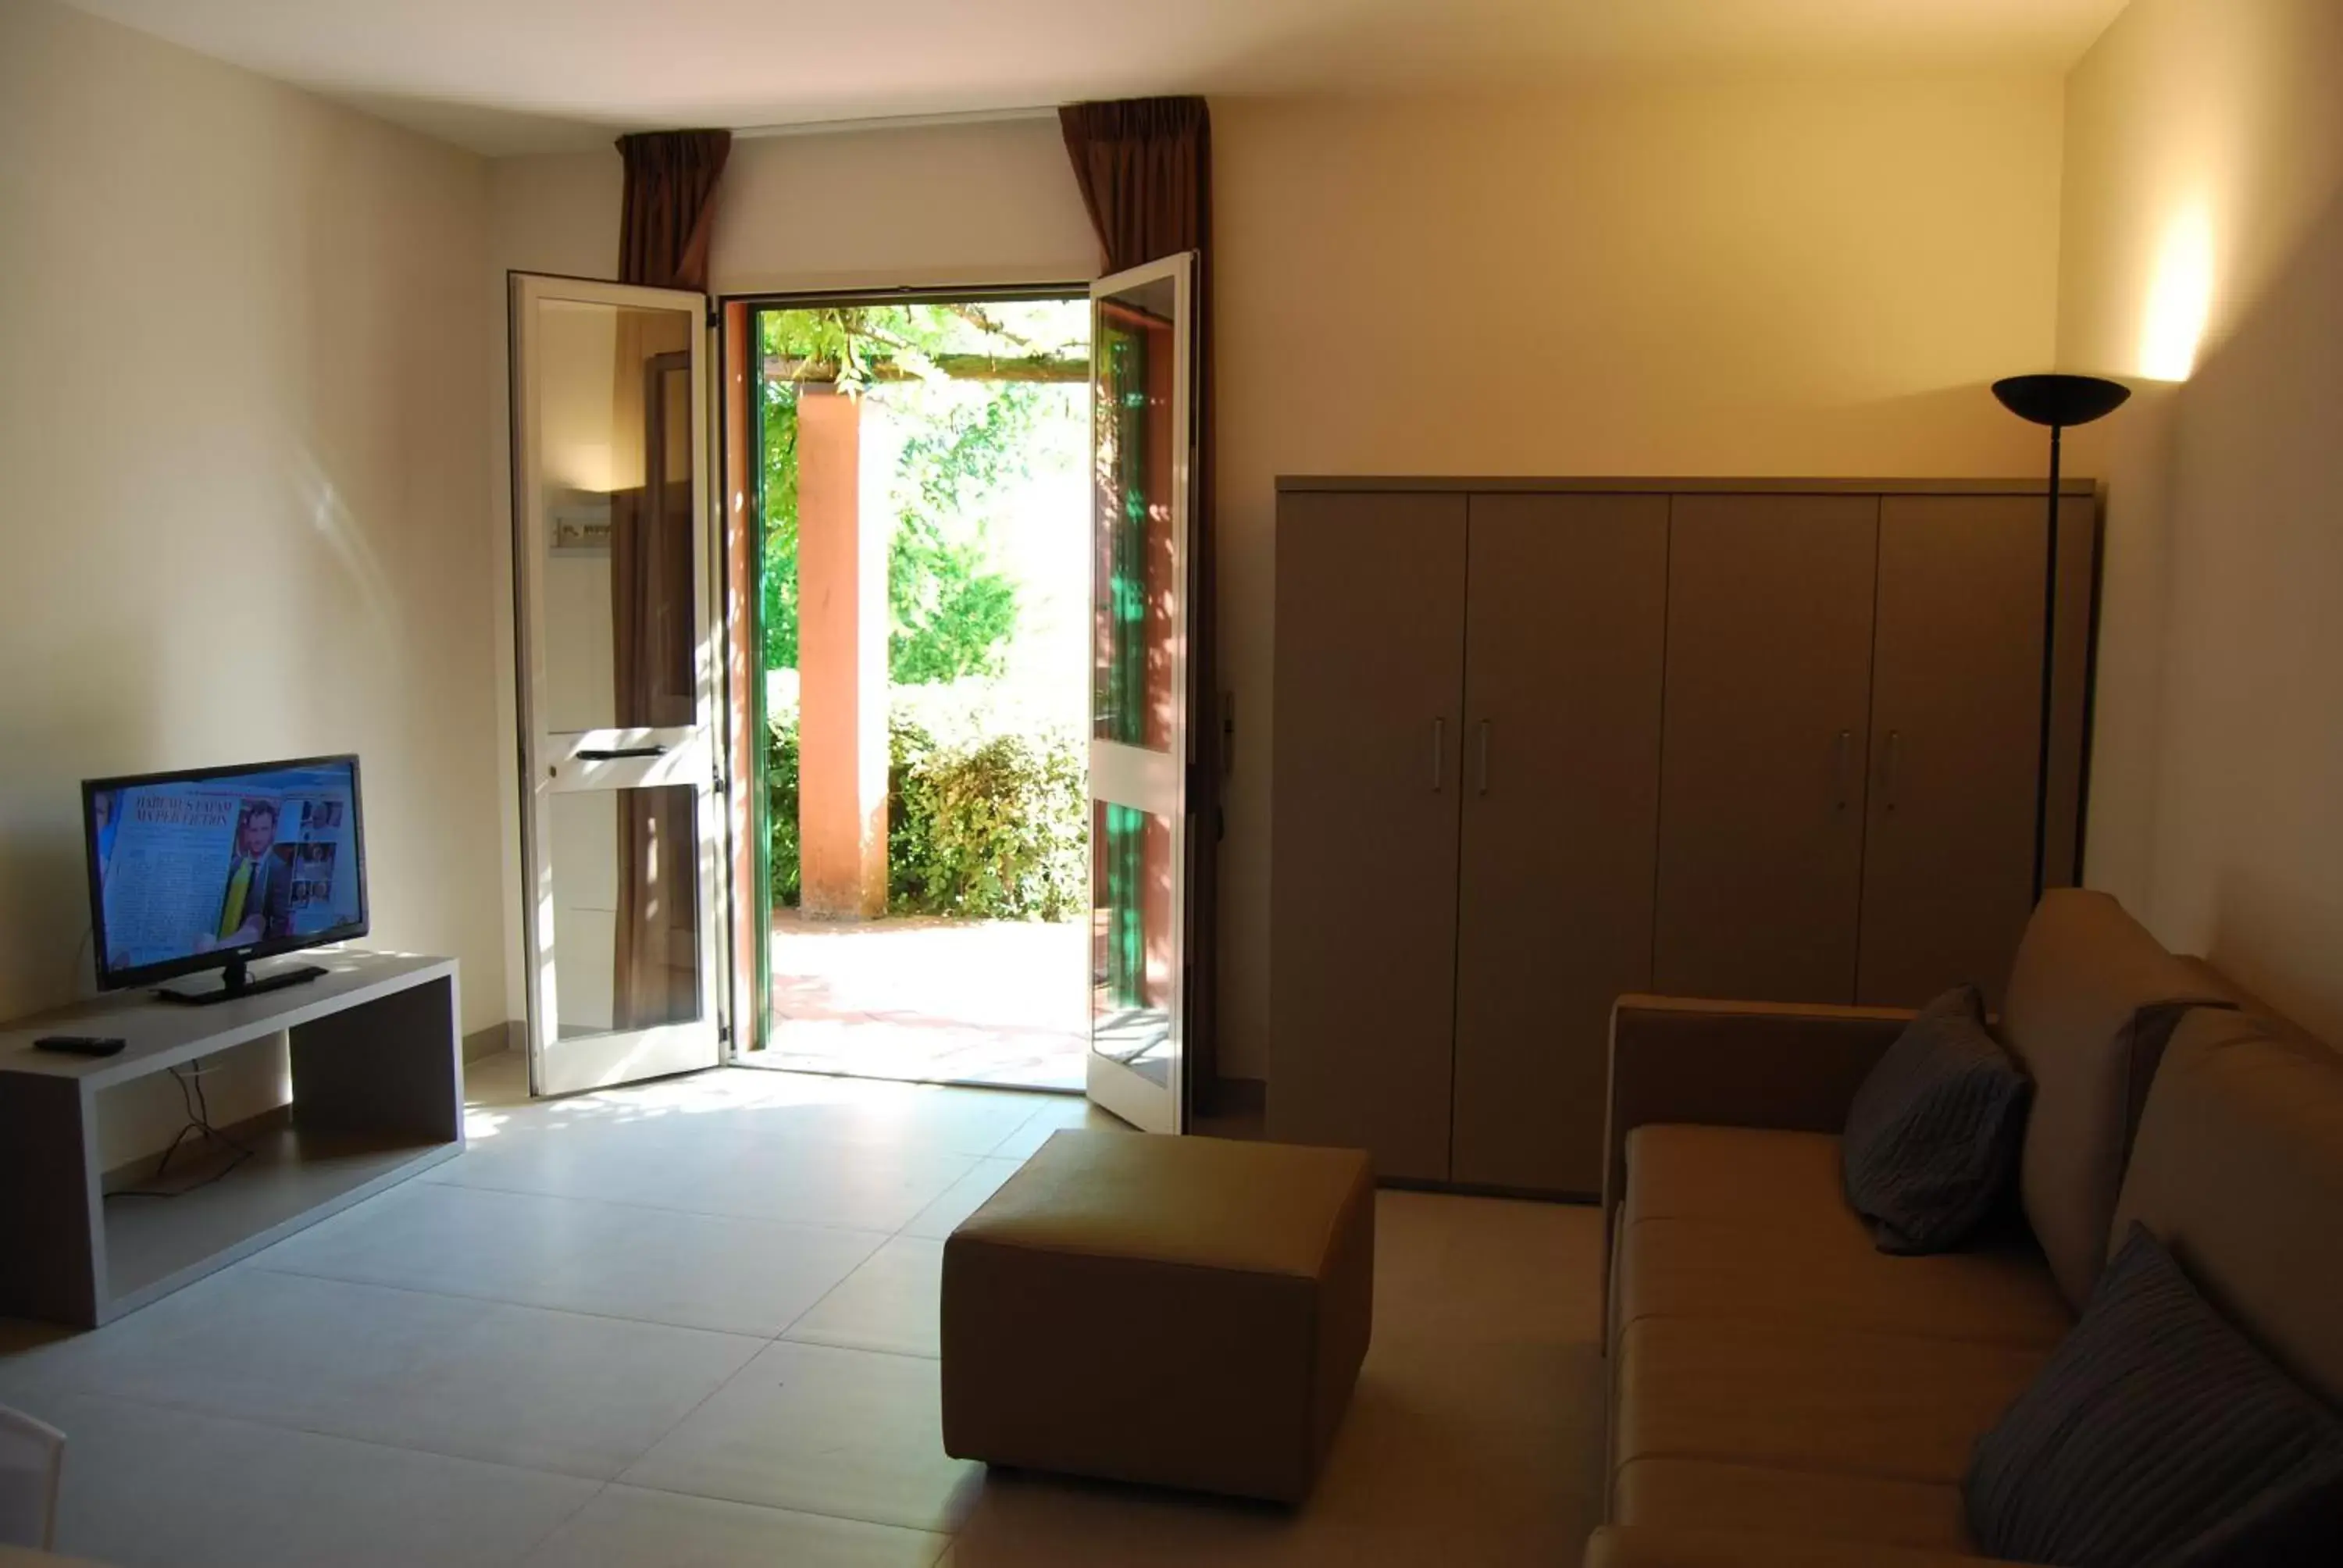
(81, 1044)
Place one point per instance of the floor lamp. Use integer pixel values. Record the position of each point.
(2060, 402)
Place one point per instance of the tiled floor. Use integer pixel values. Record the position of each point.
(695, 1323)
(946, 1001)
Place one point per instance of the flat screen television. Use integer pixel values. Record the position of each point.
(215, 869)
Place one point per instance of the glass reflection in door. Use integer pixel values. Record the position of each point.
(1140, 444)
(620, 822)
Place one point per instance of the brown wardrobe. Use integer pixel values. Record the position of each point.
(1538, 743)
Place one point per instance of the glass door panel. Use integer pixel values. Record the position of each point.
(1142, 441)
(621, 824)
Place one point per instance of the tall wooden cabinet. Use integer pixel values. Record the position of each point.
(1768, 722)
(1539, 744)
(1566, 602)
(1368, 781)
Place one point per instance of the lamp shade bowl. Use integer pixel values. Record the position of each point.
(2061, 401)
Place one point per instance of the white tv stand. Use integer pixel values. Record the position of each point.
(378, 1095)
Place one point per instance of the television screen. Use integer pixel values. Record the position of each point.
(192, 871)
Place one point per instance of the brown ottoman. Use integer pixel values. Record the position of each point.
(1189, 1312)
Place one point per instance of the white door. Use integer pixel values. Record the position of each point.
(622, 822)
(1142, 446)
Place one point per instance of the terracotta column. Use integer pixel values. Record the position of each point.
(841, 664)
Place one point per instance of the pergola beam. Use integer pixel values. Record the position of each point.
(958, 367)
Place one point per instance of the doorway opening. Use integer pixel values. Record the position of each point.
(917, 471)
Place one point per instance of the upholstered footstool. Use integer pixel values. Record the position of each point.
(1186, 1311)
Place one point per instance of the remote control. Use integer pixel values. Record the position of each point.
(81, 1044)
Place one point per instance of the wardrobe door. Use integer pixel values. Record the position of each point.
(1762, 766)
(1368, 749)
(1564, 645)
(1955, 744)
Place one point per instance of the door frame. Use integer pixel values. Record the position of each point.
(1152, 782)
(610, 759)
(749, 927)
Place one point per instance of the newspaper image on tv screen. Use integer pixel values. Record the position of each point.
(195, 866)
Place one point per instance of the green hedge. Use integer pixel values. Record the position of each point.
(983, 826)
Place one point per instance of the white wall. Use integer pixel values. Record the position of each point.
(2203, 260)
(1679, 278)
(243, 426)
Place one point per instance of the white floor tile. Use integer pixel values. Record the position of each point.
(712, 1272)
(1048, 1118)
(964, 1197)
(700, 1165)
(477, 1379)
(890, 1303)
(851, 1433)
(238, 1422)
(627, 1527)
(146, 1487)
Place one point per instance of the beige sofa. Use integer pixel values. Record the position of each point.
(1784, 1393)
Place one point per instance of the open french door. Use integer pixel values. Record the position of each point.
(1141, 450)
(621, 817)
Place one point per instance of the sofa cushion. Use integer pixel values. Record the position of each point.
(1931, 1143)
(1711, 1495)
(1754, 1176)
(2239, 1170)
(1831, 1276)
(1800, 1397)
(2157, 1434)
(2092, 998)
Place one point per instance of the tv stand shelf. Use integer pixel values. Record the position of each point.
(378, 1095)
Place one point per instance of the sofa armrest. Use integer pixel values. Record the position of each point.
(1793, 1066)
(1658, 1546)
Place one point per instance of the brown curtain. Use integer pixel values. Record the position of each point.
(669, 214)
(1145, 169)
(669, 208)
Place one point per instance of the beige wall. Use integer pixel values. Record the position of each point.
(2205, 159)
(1791, 277)
(243, 437)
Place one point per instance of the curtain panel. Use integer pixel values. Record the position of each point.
(668, 211)
(1145, 169)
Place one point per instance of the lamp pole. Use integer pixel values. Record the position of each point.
(2056, 401)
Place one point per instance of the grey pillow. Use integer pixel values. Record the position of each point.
(1932, 1135)
(2158, 1434)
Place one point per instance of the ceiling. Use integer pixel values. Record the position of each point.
(505, 76)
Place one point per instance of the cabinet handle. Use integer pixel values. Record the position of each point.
(1483, 787)
(1895, 765)
(1838, 767)
(1439, 751)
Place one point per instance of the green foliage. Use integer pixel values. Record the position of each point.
(781, 800)
(778, 425)
(980, 826)
(953, 613)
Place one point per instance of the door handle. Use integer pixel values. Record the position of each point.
(1482, 785)
(1838, 767)
(1889, 774)
(1439, 752)
(619, 753)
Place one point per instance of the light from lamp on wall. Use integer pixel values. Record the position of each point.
(2179, 299)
